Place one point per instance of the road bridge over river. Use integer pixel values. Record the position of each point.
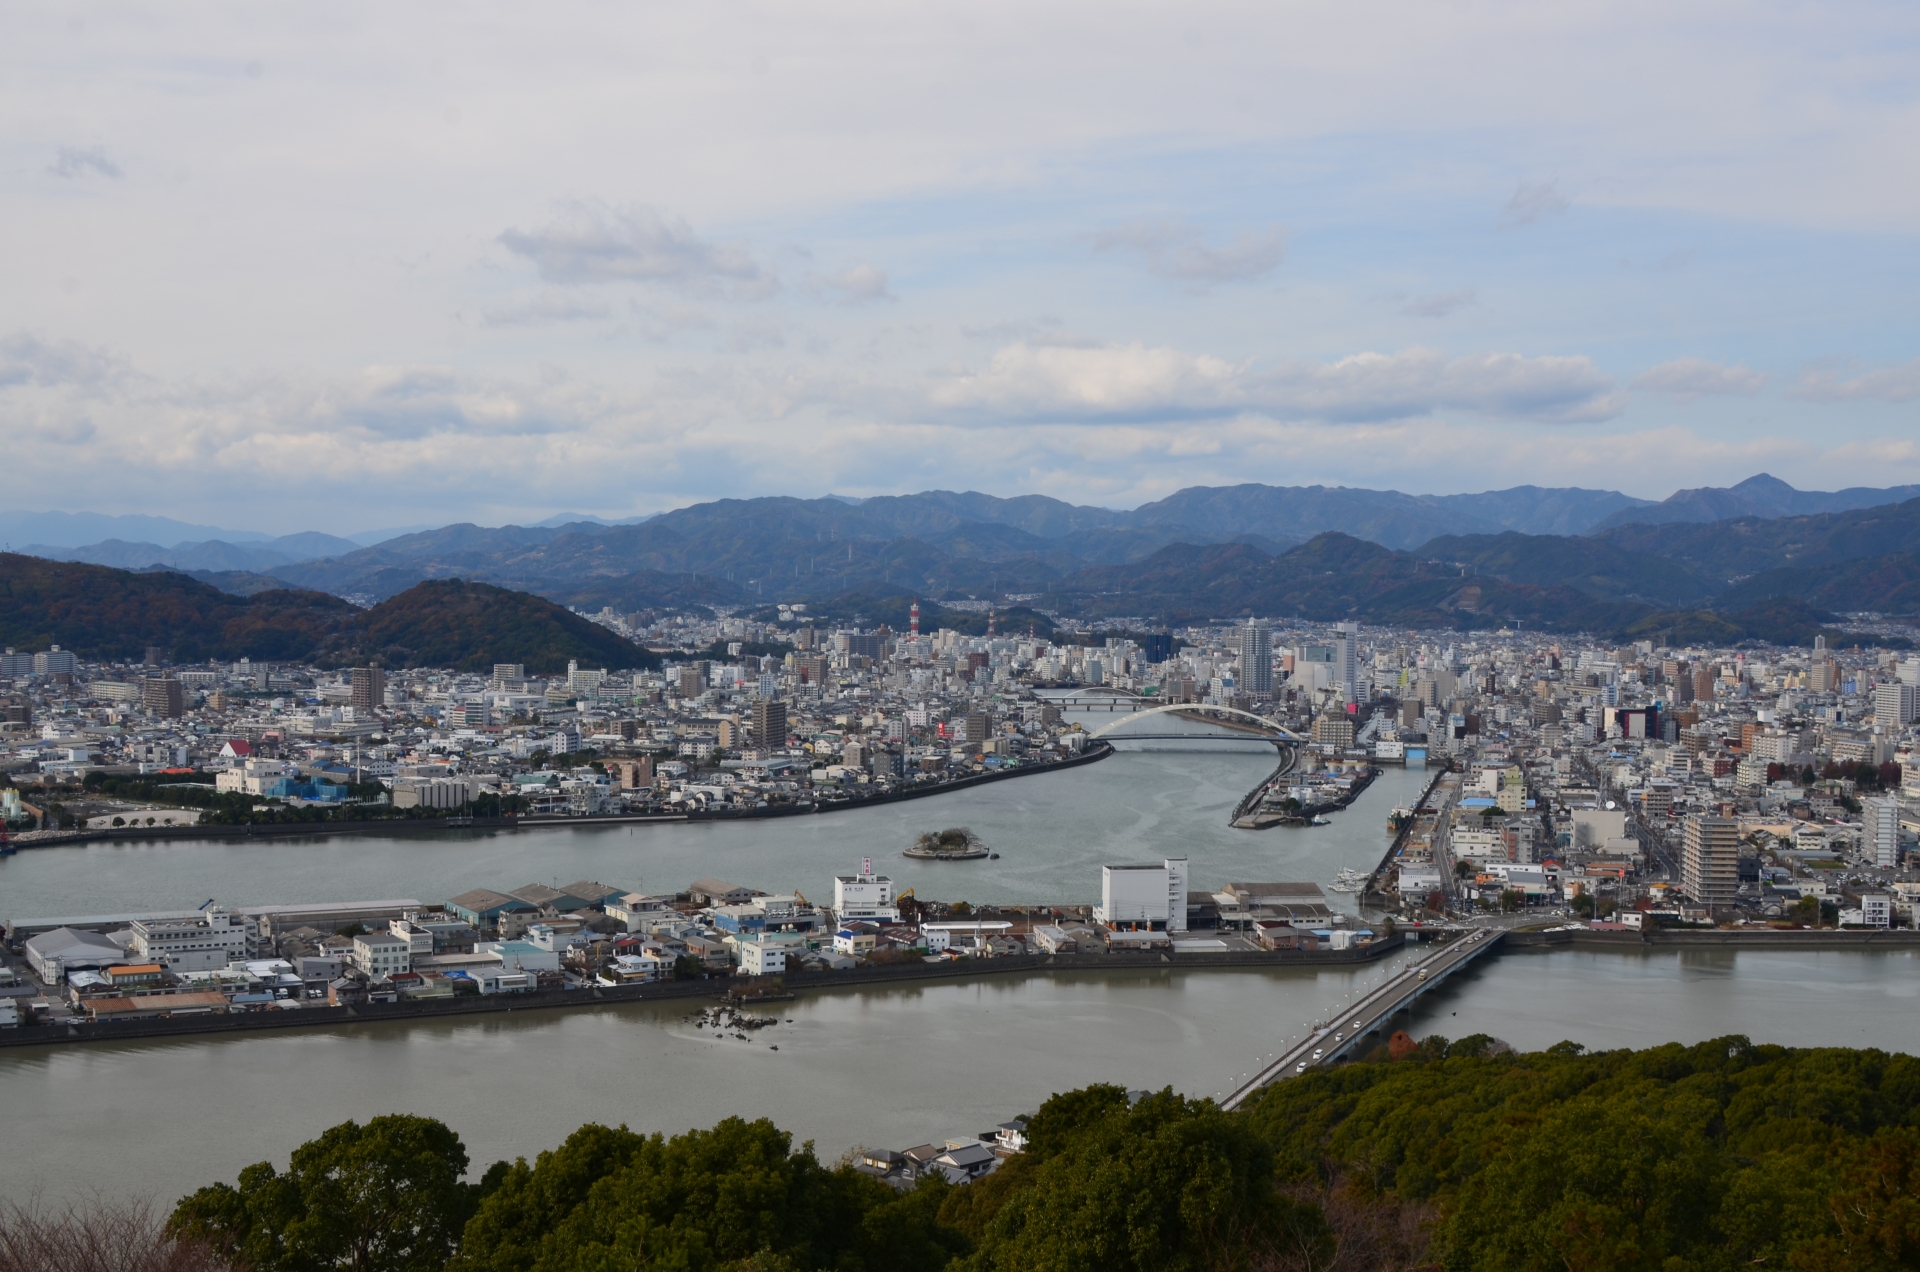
(1370, 1015)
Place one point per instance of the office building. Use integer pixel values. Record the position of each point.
(1256, 659)
(368, 690)
(865, 896)
(1883, 832)
(1144, 898)
(162, 696)
(1710, 861)
(770, 723)
(980, 726)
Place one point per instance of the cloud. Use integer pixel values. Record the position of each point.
(855, 285)
(1689, 378)
(72, 163)
(26, 359)
(544, 308)
(1439, 306)
(1884, 384)
(1133, 381)
(1533, 200)
(1173, 249)
(592, 243)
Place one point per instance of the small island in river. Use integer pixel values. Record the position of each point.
(954, 844)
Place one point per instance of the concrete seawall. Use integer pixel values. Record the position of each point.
(1712, 938)
(899, 974)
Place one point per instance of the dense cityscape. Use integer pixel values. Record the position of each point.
(959, 638)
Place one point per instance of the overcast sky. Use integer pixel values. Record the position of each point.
(337, 266)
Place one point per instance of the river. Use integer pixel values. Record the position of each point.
(891, 1067)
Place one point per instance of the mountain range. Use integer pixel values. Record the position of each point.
(1219, 552)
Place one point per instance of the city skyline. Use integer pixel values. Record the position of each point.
(489, 268)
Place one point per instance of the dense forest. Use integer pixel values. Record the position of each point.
(109, 614)
(1460, 1156)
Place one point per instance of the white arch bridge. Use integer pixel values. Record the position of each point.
(1285, 740)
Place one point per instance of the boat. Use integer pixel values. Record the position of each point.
(1348, 880)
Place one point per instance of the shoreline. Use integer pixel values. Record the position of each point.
(437, 825)
(882, 977)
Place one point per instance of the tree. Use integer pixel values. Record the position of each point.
(384, 1197)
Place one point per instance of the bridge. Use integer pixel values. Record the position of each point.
(1370, 1015)
(1268, 728)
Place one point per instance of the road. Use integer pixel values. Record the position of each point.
(1372, 1012)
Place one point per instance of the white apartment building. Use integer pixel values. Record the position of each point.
(381, 954)
(202, 944)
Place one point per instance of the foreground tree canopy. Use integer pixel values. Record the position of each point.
(1719, 1156)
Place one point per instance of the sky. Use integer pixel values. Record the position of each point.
(343, 266)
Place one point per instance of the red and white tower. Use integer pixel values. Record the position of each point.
(913, 621)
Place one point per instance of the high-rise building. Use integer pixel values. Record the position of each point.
(1883, 832)
(1256, 659)
(16, 666)
(368, 691)
(1157, 647)
(506, 673)
(1710, 860)
(55, 662)
(770, 723)
(1895, 705)
(1346, 662)
(980, 727)
(162, 696)
(693, 680)
(1703, 684)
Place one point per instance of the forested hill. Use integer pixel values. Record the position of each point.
(1711, 1158)
(104, 613)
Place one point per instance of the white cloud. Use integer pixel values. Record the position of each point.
(1533, 200)
(1689, 378)
(1137, 382)
(73, 162)
(1173, 249)
(1440, 304)
(592, 243)
(1884, 384)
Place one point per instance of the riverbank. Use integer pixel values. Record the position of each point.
(882, 976)
(428, 825)
(1665, 938)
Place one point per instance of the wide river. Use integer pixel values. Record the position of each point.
(891, 1067)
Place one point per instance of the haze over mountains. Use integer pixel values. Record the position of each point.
(1533, 555)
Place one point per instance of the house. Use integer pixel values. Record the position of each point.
(858, 942)
(716, 892)
(637, 911)
(483, 907)
(522, 956)
(1012, 1136)
(759, 959)
(1053, 939)
(965, 1161)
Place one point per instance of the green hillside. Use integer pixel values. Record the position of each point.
(471, 626)
(1710, 1158)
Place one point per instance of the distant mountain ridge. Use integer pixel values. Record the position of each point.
(955, 544)
(1762, 495)
(103, 613)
